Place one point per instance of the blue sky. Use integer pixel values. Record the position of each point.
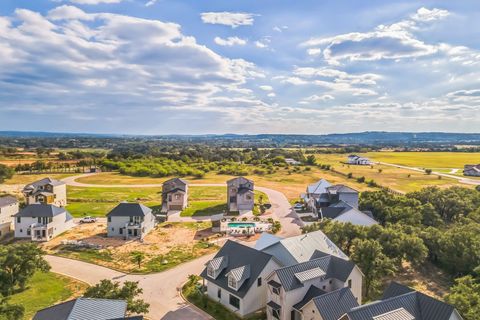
(269, 66)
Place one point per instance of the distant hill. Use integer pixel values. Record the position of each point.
(361, 138)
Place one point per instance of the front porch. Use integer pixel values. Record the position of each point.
(40, 232)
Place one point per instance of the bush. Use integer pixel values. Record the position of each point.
(349, 175)
(361, 179)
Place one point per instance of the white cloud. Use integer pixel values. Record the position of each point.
(230, 41)
(266, 88)
(395, 41)
(280, 28)
(232, 19)
(424, 14)
(150, 3)
(271, 95)
(315, 97)
(260, 44)
(314, 51)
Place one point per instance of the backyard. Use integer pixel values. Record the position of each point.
(46, 289)
(168, 245)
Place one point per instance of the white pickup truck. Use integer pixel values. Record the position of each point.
(88, 219)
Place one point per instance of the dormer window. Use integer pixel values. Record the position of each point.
(211, 272)
(232, 283)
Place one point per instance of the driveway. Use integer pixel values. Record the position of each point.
(161, 290)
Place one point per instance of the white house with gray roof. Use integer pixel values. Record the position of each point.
(401, 302)
(87, 309)
(240, 194)
(357, 160)
(130, 220)
(236, 277)
(46, 191)
(324, 277)
(42, 222)
(8, 208)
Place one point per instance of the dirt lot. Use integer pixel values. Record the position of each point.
(164, 247)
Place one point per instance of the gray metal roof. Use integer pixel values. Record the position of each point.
(84, 309)
(318, 187)
(242, 180)
(240, 274)
(340, 188)
(395, 289)
(293, 277)
(333, 305)
(266, 240)
(7, 201)
(173, 185)
(126, 209)
(300, 248)
(399, 314)
(311, 293)
(421, 306)
(239, 255)
(45, 181)
(41, 210)
(218, 263)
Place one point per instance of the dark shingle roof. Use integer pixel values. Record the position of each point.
(84, 309)
(419, 305)
(332, 212)
(126, 209)
(41, 210)
(173, 185)
(7, 200)
(333, 305)
(332, 267)
(238, 256)
(311, 293)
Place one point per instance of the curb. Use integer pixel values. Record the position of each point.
(191, 305)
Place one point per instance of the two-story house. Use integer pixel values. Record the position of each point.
(174, 195)
(357, 160)
(472, 170)
(401, 302)
(323, 277)
(236, 277)
(8, 208)
(336, 202)
(130, 220)
(42, 222)
(240, 194)
(46, 191)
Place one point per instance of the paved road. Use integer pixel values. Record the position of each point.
(446, 175)
(159, 289)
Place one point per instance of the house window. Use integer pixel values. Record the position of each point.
(19, 219)
(323, 288)
(28, 232)
(350, 283)
(21, 230)
(177, 197)
(276, 290)
(210, 272)
(259, 282)
(120, 230)
(39, 220)
(232, 283)
(219, 294)
(234, 301)
(276, 313)
(249, 197)
(109, 219)
(113, 229)
(330, 282)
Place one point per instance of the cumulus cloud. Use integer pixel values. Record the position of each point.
(78, 63)
(230, 41)
(94, 1)
(315, 97)
(232, 19)
(394, 41)
(260, 44)
(266, 88)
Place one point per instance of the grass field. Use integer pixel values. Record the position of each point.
(403, 180)
(46, 289)
(445, 160)
(28, 178)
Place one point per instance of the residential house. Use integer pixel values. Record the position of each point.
(236, 276)
(174, 195)
(8, 208)
(240, 194)
(42, 222)
(292, 162)
(298, 289)
(87, 309)
(472, 170)
(130, 220)
(336, 202)
(293, 250)
(401, 302)
(46, 191)
(357, 160)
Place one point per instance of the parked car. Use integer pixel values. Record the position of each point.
(298, 206)
(88, 219)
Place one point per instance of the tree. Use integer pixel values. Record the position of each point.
(477, 188)
(5, 173)
(465, 296)
(368, 256)
(428, 171)
(311, 160)
(108, 289)
(18, 263)
(10, 311)
(137, 257)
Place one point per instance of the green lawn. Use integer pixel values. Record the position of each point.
(427, 159)
(46, 289)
